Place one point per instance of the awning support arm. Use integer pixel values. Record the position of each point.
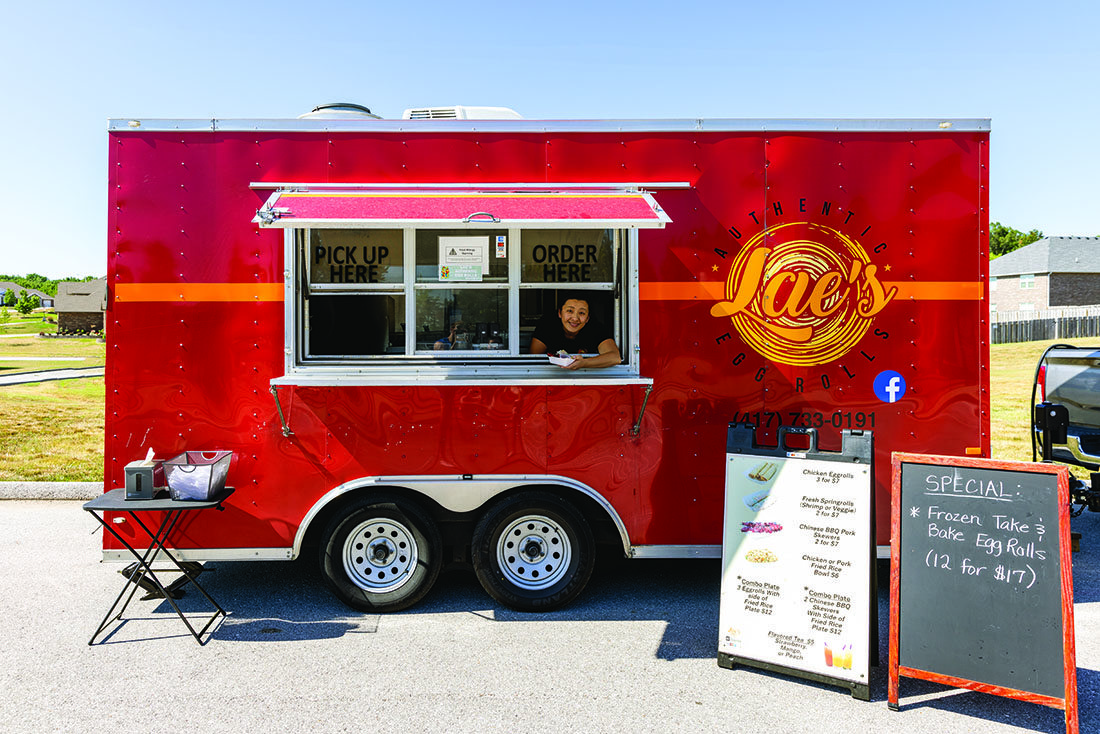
(637, 428)
(286, 429)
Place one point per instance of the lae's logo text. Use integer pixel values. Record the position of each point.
(802, 293)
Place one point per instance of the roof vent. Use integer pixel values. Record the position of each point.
(339, 111)
(460, 112)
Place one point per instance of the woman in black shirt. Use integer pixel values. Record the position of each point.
(575, 334)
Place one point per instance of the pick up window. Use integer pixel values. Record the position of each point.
(452, 282)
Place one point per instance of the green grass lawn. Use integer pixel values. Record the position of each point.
(34, 323)
(33, 353)
(52, 431)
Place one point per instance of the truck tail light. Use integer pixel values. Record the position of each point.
(1042, 383)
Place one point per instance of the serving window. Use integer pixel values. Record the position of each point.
(473, 295)
(452, 283)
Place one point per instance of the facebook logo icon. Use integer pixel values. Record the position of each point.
(889, 386)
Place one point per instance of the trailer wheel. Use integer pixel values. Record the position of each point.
(382, 555)
(533, 552)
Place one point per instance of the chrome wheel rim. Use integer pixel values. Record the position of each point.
(533, 552)
(380, 555)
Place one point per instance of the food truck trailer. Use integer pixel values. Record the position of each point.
(347, 302)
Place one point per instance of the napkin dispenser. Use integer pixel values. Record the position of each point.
(143, 479)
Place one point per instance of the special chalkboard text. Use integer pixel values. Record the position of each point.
(996, 545)
(955, 484)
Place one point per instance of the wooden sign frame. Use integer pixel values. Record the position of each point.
(1068, 703)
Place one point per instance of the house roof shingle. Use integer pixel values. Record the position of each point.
(1050, 255)
(7, 285)
(86, 297)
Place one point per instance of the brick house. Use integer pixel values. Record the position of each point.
(1051, 273)
(80, 306)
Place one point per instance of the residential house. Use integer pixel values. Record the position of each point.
(1051, 273)
(7, 285)
(80, 306)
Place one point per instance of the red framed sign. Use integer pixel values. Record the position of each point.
(981, 584)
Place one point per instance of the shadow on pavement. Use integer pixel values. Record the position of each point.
(287, 601)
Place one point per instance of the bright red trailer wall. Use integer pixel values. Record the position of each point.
(195, 320)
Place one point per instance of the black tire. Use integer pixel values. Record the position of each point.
(533, 552)
(381, 554)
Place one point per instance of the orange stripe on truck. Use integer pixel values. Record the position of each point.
(944, 290)
(714, 290)
(197, 292)
(709, 290)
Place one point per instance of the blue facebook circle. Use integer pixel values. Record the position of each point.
(889, 386)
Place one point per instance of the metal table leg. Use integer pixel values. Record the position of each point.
(145, 570)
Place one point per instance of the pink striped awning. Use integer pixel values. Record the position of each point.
(363, 208)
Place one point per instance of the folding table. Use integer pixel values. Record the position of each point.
(172, 510)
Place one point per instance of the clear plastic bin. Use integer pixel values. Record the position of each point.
(197, 475)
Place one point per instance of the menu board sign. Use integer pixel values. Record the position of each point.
(797, 563)
(981, 582)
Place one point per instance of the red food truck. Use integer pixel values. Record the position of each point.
(348, 303)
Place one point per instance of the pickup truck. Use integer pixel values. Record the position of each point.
(1070, 377)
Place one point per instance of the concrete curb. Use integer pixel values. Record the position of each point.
(50, 490)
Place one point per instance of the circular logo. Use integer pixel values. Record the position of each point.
(802, 293)
(889, 386)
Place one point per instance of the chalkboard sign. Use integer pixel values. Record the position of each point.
(981, 590)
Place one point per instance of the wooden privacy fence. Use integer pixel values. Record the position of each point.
(1057, 323)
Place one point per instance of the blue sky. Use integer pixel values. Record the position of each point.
(66, 67)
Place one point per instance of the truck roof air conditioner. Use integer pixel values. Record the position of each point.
(460, 112)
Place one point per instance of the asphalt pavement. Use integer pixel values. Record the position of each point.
(636, 653)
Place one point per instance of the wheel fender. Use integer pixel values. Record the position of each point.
(457, 493)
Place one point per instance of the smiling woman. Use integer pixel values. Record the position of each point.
(574, 332)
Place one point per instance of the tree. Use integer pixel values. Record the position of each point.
(1003, 239)
(27, 303)
(9, 297)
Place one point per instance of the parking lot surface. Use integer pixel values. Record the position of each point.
(636, 653)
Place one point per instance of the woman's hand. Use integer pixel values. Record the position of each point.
(576, 364)
(608, 356)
